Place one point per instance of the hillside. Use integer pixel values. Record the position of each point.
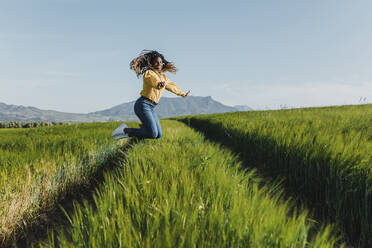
(168, 107)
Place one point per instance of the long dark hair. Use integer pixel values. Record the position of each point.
(145, 61)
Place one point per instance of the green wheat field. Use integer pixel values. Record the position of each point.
(279, 178)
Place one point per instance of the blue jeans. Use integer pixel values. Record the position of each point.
(144, 110)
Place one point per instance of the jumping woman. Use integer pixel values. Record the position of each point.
(151, 65)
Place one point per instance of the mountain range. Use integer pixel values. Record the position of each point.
(167, 107)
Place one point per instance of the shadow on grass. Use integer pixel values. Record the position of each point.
(276, 164)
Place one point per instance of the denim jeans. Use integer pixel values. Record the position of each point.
(144, 110)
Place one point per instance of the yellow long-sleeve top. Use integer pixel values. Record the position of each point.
(151, 78)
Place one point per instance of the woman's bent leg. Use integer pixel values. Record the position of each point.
(144, 112)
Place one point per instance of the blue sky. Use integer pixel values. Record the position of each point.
(73, 55)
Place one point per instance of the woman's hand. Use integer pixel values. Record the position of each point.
(160, 85)
(186, 94)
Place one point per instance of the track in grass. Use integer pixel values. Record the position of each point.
(181, 190)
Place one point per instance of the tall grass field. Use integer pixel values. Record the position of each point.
(205, 183)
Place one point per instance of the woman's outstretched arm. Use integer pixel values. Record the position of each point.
(173, 87)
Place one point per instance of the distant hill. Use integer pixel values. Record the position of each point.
(242, 107)
(22, 113)
(167, 107)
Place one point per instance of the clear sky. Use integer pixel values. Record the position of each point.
(73, 55)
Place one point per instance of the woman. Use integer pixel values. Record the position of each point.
(151, 65)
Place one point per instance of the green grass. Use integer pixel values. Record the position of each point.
(39, 166)
(181, 191)
(324, 154)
